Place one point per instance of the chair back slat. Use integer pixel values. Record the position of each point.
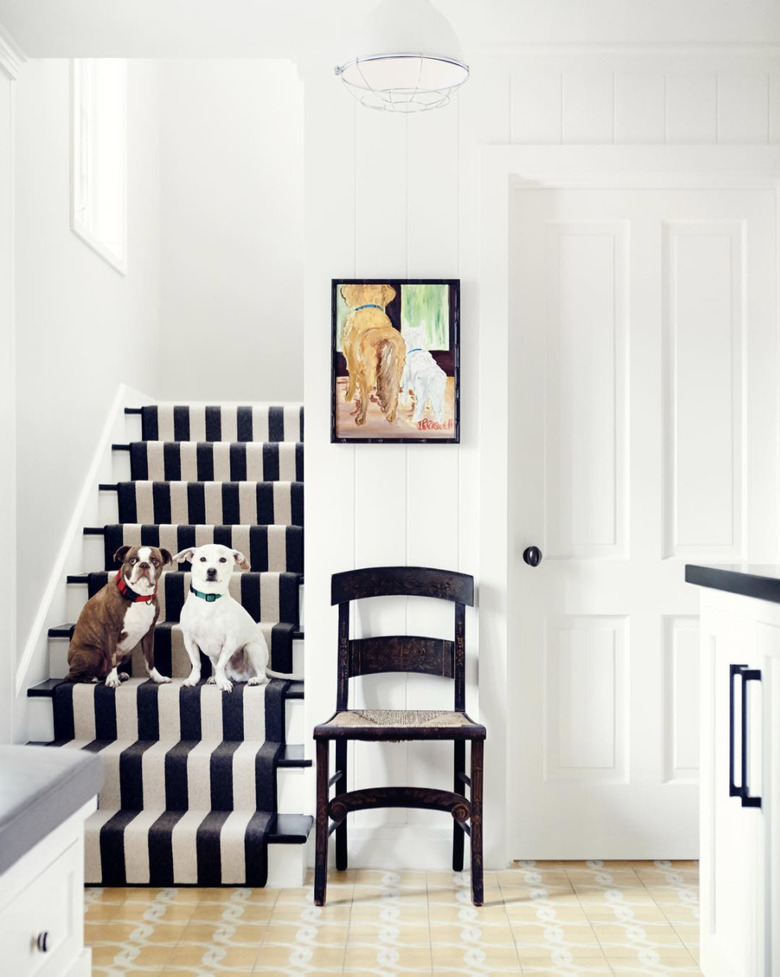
(402, 582)
(342, 692)
(460, 657)
(401, 653)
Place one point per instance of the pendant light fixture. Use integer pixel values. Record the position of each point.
(408, 58)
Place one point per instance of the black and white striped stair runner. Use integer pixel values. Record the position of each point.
(211, 503)
(190, 796)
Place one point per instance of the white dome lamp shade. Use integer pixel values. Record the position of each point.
(408, 58)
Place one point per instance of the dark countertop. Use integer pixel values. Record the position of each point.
(40, 787)
(759, 580)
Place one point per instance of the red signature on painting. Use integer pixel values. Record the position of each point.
(426, 425)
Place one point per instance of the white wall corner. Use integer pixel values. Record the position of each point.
(11, 56)
(33, 666)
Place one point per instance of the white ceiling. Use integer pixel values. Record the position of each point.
(289, 28)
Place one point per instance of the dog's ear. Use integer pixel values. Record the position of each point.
(166, 557)
(388, 294)
(121, 553)
(241, 560)
(185, 556)
(351, 295)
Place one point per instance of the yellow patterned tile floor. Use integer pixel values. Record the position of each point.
(567, 918)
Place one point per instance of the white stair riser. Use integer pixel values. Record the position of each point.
(120, 466)
(40, 720)
(108, 508)
(93, 552)
(58, 657)
(295, 726)
(287, 864)
(298, 658)
(133, 427)
(295, 790)
(76, 596)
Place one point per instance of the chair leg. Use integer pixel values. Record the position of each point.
(477, 888)
(341, 831)
(459, 788)
(322, 823)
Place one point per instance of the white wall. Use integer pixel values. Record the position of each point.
(231, 267)
(401, 197)
(82, 328)
(7, 395)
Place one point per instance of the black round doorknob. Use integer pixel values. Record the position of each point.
(43, 942)
(532, 556)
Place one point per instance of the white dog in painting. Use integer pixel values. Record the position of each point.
(422, 376)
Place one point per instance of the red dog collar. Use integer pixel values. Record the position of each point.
(130, 594)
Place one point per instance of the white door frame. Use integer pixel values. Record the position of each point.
(505, 168)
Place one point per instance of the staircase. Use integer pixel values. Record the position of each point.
(202, 787)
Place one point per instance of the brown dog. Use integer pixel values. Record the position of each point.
(117, 618)
(375, 352)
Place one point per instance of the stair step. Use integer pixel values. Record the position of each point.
(172, 657)
(210, 503)
(208, 461)
(185, 774)
(174, 422)
(212, 712)
(203, 848)
(291, 829)
(270, 598)
(278, 549)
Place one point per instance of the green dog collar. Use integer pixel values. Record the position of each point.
(210, 598)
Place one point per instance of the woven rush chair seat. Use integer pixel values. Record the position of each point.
(400, 653)
(407, 723)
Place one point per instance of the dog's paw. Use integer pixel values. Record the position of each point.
(189, 682)
(113, 682)
(258, 680)
(224, 685)
(124, 677)
(210, 680)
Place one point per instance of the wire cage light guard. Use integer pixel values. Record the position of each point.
(403, 82)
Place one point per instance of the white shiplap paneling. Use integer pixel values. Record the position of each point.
(537, 107)
(743, 107)
(691, 107)
(640, 107)
(588, 106)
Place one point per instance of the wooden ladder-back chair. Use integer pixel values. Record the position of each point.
(400, 653)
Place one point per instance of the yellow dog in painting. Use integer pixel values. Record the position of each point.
(375, 352)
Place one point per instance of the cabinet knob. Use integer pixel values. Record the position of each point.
(532, 556)
(43, 942)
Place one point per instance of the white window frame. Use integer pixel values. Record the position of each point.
(87, 154)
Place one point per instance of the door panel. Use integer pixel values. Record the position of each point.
(643, 433)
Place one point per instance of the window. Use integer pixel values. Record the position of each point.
(99, 156)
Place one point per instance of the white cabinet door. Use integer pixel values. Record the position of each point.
(643, 435)
(731, 835)
(769, 657)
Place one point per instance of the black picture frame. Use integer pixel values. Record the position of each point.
(440, 426)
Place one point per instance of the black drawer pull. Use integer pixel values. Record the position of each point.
(734, 670)
(43, 942)
(748, 675)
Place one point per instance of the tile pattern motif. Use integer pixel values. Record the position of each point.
(563, 918)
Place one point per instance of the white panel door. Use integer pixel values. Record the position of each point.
(643, 435)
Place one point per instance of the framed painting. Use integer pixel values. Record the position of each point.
(395, 360)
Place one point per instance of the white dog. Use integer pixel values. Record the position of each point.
(213, 622)
(423, 377)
